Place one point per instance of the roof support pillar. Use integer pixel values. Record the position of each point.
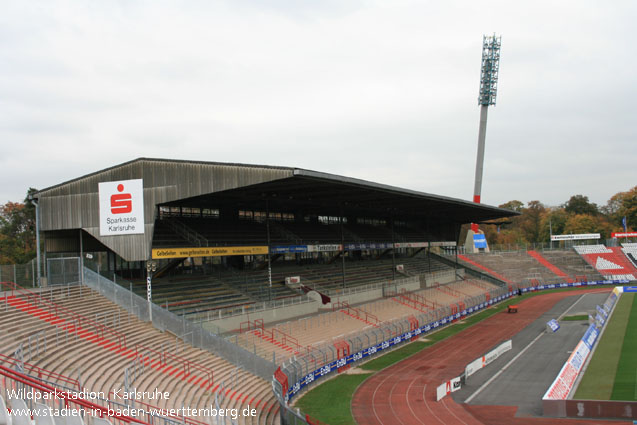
(81, 258)
(393, 250)
(267, 229)
(428, 243)
(342, 245)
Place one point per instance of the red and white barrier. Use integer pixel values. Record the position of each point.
(447, 388)
(481, 362)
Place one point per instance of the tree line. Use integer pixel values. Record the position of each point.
(537, 221)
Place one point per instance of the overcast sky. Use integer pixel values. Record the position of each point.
(380, 90)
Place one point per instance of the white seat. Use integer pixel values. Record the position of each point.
(19, 413)
(74, 420)
(5, 418)
(101, 421)
(44, 415)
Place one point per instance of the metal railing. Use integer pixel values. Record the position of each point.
(73, 322)
(186, 232)
(68, 393)
(165, 320)
(302, 371)
(398, 283)
(206, 315)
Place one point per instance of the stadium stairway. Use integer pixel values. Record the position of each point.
(556, 270)
(532, 267)
(573, 264)
(483, 268)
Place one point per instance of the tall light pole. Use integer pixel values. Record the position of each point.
(488, 91)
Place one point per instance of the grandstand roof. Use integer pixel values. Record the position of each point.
(74, 204)
(330, 194)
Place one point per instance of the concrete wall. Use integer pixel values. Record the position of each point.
(268, 316)
(590, 409)
(430, 279)
(289, 312)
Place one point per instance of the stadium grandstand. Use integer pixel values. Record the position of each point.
(239, 261)
(207, 279)
(211, 227)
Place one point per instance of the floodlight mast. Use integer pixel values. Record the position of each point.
(488, 91)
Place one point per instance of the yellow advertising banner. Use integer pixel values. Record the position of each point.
(213, 251)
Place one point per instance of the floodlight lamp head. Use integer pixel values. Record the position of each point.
(489, 70)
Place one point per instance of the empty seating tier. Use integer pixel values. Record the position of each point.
(302, 337)
(612, 263)
(90, 339)
(533, 268)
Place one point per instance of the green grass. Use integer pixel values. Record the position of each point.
(395, 356)
(625, 379)
(598, 380)
(575, 318)
(330, 402)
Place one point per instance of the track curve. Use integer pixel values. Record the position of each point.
(405, 393)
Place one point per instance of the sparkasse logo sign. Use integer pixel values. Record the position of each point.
(121, 207)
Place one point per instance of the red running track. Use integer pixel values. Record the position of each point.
(405, 393)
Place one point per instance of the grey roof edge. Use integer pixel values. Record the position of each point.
(302, 173)
(398, 190)
(172, 161)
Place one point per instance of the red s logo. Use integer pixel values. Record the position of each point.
(121, 203)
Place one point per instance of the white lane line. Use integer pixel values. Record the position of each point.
(571, 307)
(479, 390)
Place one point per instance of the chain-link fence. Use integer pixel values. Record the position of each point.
(24, 275)
(63, 271)
(165, 320)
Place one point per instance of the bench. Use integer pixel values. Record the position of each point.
(513, 308)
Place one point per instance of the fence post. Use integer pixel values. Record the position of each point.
(15, 279)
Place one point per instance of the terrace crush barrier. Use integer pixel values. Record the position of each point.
(165, 320)
(546, 263)
(68, 393)
(99, 334)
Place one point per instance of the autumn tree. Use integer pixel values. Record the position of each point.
(579, 204)
(581, 223)
(531, 219)
(514, 205)
(17, 231)
(620, 205)
(553, 222)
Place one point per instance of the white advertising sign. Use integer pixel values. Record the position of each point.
(483, 361)
(582, 236)
(448, 387)
(121, 207)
